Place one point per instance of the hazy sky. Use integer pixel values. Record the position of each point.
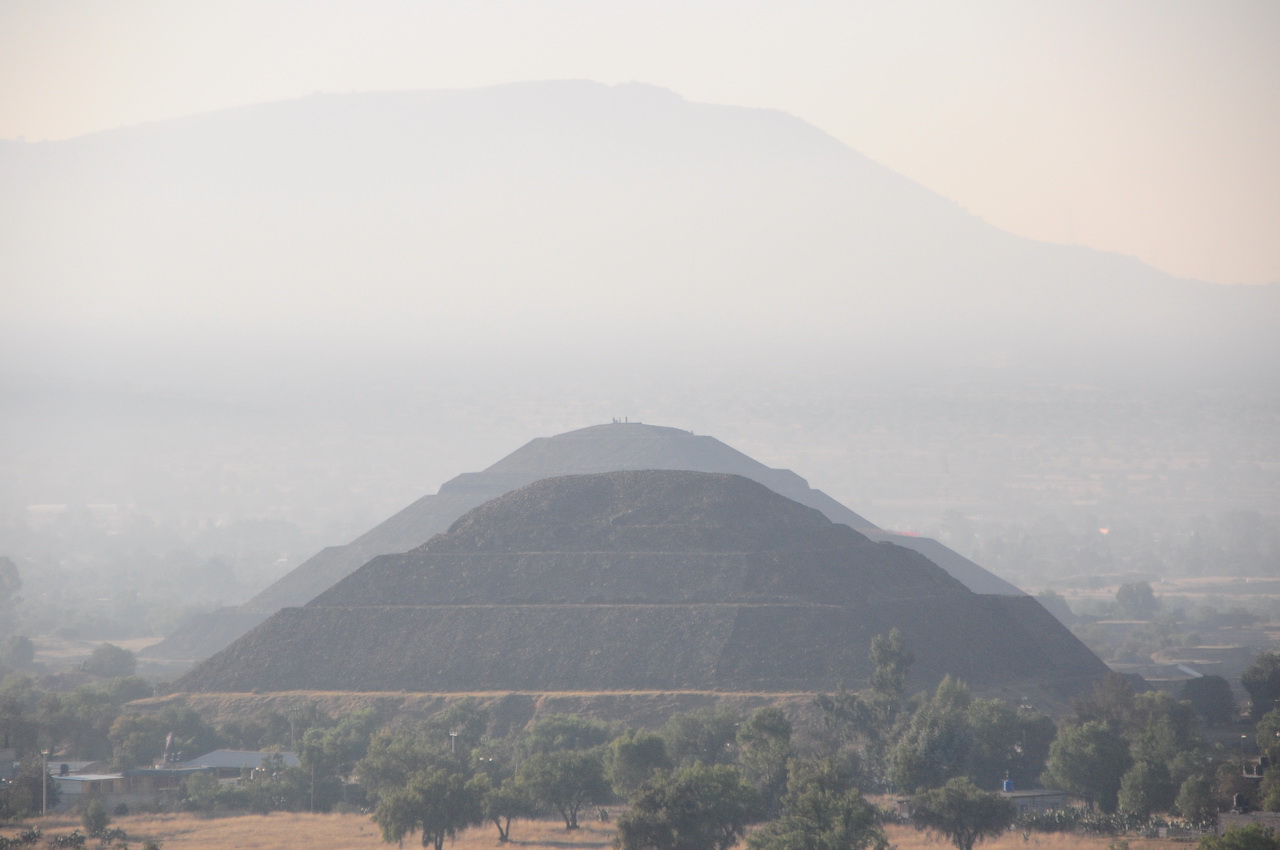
(1148, 127)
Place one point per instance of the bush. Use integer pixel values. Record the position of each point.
(110, 661)
(95, 818)
(1075, 819)
(17, 652)
(1255, 836)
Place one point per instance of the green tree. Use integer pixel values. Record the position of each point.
(705, 736)
(17, 652)
(139, 739)
(500, 804)
(1163, 728)
(632, 758)
(394, 756)
(554, 732)
(200, 792)
(891, 662)
(136, 739)
(822, 810)
(334, 752)
(10, 584)
(937, 742)
(764, 746)
(80, 722)
(1006, 743)
(1229, 784)
(1268, 735)
(109, 660)
(1211, 698)
(19, 727)
(962, 812)
(701, 807)
(566, 781)
(1262, 680)
(95, 819)
(438, 803)
(1146, 788)
(842, 736)
(275, 787)
(1088, 760)
(461, 725)
(1269, 789)
(1195, 799)
(1255, 836)
(860, 729)
(1111, 702)
(24, 797)
(1137, 600)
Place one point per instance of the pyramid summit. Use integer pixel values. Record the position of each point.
(644, 580)
(598, 448)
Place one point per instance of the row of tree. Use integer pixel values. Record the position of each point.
(1140, 753)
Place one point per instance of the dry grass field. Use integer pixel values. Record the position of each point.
(285, 831)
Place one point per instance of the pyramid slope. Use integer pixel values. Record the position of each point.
(598, 448)
(406, 529)
(642, 580)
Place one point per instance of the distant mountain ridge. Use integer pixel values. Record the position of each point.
(598, 448)
(603, 213)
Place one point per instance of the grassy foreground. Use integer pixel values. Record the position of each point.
(283, 830)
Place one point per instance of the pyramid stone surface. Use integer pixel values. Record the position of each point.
(648, 580)
(599, 448)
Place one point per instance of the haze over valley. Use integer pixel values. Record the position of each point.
(242, 336)
(726, 422)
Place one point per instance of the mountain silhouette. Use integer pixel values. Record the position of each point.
(549, 217)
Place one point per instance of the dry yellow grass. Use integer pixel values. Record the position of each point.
(282, 831)
(905, 838)
(285, 830)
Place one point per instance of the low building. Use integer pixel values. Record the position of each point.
(75, 789)
(1041, 800)
(131, 787)
(230, 763)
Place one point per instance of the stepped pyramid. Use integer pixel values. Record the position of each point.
(664, 580)
(599, 448)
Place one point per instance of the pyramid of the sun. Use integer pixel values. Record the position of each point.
(600, 448)
(651, 580)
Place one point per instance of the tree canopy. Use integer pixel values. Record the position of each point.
(632, 758)
(705, 735)
(437, 802)
(1137, 600)
(1088, 760)
(962, 812)
(565, 780)
(702, 807)
(1262, 680)
(764, 746)
(109, 660)
(1211, 698)
(822, 810)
